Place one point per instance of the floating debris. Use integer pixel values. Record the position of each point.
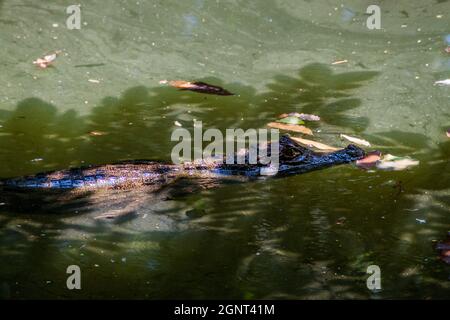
(448, 133)
(90, 65)
(315, 144)
(441, 83)
(178, 124)
(97, 133)
(94, 81)
(447, 49)
(309, 117)
(47, 60)
(421, 221)
(390, 162)
(339, 62)
(200, 87)
(302, 116)
(290, 127)
(356, 140)
(444, 249)
(37, 160)
(370, 160)
(291, 120)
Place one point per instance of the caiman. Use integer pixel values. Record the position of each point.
(153, 176)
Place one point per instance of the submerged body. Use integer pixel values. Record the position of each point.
(293, 159)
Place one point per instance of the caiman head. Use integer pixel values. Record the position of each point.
(294, 158)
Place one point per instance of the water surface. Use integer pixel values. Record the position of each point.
(271, 239)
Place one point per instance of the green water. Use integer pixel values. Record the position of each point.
(269, 239)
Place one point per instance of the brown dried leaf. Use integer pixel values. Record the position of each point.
(200, 87)
(290, 127)
(315, 144)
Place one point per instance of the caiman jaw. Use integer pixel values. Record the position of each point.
(295, 159)
(355, 152)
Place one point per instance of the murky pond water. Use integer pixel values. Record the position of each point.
(308, 236)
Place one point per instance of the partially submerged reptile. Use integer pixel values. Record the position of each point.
(293, 159)
(151, 177)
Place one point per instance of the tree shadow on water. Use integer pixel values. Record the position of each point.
(35, 132)
(137, 125)
(319, 90)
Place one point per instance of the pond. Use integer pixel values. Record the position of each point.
(309, 236)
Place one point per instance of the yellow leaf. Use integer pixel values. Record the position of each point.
(315, 144)
(290, 127)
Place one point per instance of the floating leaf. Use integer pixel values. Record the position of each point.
(47, 60)
(302, 116)
(290, 127)
(445, 82)
(200, 87)
(339, 62)
(390, 162)
(356, 140)
(370, 160)
(315, 144)
(309, 117)
(291, 120)
(97, 133)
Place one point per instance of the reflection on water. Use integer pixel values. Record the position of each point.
(308, 236)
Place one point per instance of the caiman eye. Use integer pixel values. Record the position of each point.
(290, 153)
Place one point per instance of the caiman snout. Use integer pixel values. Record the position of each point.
(355, 152)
